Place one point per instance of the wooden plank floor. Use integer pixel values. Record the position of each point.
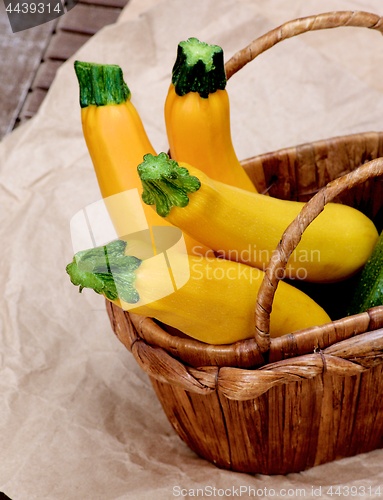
(20, 55)
(33, 56)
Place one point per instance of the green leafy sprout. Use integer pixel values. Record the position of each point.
(165, 184)
(107, 270)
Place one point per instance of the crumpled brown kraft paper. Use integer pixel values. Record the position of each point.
(79, 419)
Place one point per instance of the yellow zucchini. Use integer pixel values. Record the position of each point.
(216, 305)
(112, 127)
(197, 114)
(113, 131)
(247, 227)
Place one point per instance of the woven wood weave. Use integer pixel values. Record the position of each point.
(275, 406)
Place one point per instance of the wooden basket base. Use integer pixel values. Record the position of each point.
(289, 429)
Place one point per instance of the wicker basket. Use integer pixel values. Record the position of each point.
(275, 406)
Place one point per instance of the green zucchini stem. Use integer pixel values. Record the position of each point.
(199, 67)
(107, 270)
(101, 84)
(165, 184)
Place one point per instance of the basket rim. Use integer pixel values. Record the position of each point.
(246, 353)
(349, 357)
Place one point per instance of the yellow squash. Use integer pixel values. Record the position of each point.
(247, 227)
(197, 114)
(113, 130)
(216, 304)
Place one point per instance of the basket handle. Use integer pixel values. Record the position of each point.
(292, 236)
(298, 26)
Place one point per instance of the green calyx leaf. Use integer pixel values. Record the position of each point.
(165, 184)
(199, 67)
(101, 84)
(107, 270)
